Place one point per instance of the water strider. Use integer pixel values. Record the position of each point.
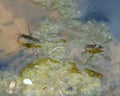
(28, 37)
(27, 41)
(94, 49)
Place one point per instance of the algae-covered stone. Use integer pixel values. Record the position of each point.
(52, 77)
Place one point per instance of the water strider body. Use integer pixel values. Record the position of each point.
(27, 41)
(94, 49)
(28, 37)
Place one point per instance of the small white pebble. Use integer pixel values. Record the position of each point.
(12, 86)
(52, 88)
(27, 81)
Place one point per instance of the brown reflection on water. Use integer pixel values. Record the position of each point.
(8, 34)
(25, 9)
(14, 17)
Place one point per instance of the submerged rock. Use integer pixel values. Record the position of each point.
(55, 77)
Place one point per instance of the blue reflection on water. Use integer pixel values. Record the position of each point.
(9, 63)
(6, 63)
(95, 16)
(107, 11)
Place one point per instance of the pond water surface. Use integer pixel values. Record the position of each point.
(62, 38)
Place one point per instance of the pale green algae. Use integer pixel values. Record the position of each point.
(56, 78)
(66, 9)
(52, 44)
(50, 31)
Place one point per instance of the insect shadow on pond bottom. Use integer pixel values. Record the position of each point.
(94, 49)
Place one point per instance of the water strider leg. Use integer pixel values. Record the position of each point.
(29, 30)
(88, 59)
(93, 41)
(106, 41)
(13, 51)
(105, 57)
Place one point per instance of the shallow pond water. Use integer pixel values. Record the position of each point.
(57, 65)
(103, 10)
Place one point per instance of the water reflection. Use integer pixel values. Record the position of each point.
(25, 9)
(103, 10)
(14, 61)
(11, 24)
